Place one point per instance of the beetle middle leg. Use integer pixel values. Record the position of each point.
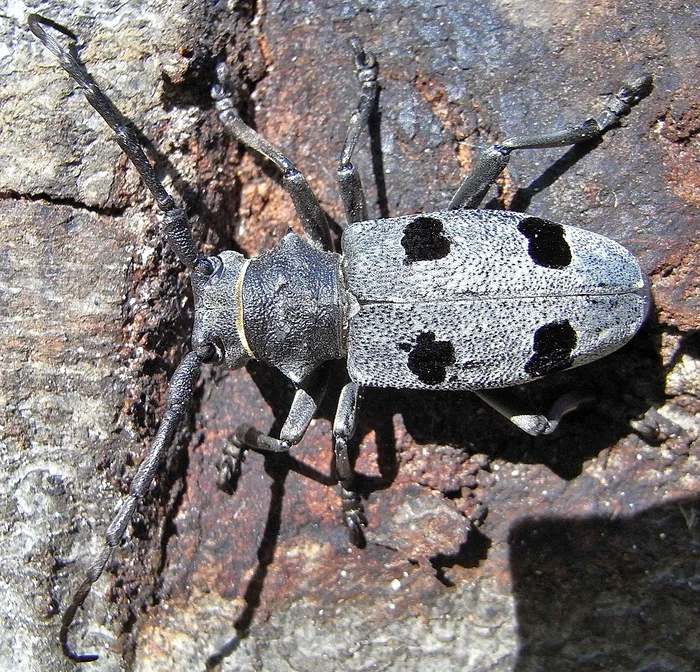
(304, 406)
(351, 192)
(344, 427)
(311, 392)
(355, 206)
(492, 161)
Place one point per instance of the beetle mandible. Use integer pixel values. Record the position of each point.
(461, 299)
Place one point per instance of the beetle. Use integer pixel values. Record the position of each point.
(461, 299)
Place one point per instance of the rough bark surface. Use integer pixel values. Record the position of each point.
(487, 549)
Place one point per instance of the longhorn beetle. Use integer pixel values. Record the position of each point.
(461, 299)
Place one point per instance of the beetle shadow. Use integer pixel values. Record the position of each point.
(619, 388)
(523, 195)
(277, 467)
(443, 418)
(616, 593)
(374, 128)
(622, 386)
(628, 382)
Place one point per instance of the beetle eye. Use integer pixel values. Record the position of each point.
(218, 353)
(217, 269)
(204, 266)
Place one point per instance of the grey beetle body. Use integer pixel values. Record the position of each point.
(462, 299)
(430, 301)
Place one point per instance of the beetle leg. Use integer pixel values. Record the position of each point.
(230, 466)
(180, 395)
(304, 406)
(351, 192)
(301, 412)
(491, 162)
(308, 210)
(509, 406)
(344, 427)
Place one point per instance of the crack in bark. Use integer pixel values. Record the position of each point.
(49, 199)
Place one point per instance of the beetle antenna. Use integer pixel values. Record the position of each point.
(180, 393)
(178, 231)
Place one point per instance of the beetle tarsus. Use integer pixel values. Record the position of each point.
(354, 517)
(231, 466)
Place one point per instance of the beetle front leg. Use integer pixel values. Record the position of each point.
(307, 207)
(344, 427)
(301, 412)
(513, 408)
(491, 162)
(304, 406)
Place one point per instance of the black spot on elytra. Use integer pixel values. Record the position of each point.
(547, 245)
(423, 240)
(553, 344)
(428, 358)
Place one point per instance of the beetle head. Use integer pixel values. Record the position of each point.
(216, 306)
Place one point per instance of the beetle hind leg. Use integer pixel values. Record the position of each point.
(492, 161)
(505, 402)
